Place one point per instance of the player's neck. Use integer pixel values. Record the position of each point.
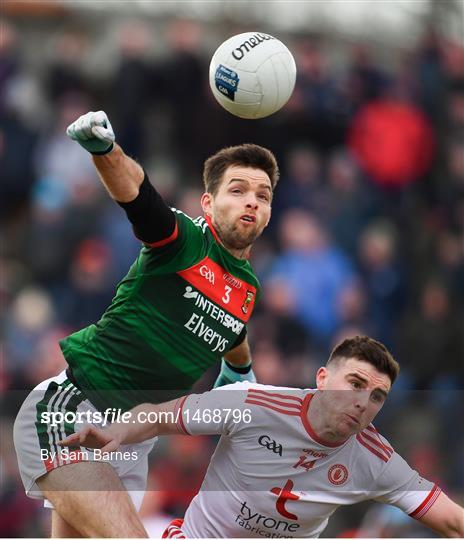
(319, 422)
(242, 253)
(238, 253)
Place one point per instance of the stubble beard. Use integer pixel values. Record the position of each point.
(232, 238)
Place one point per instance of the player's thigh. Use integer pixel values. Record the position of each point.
(36, 433)
(81, 476)
(41, 424)
(62, 529)
(90, 498)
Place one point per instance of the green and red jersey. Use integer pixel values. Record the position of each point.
(183, 304)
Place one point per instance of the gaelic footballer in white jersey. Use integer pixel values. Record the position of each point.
(288, 458)
(271, 476)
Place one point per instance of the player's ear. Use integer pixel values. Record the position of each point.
(321, 378)
(206, 203)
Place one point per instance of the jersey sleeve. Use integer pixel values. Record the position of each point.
(403, 487)
(184, 249)
(221, 411)
(154, 223)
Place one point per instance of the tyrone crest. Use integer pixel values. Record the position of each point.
(338, 474)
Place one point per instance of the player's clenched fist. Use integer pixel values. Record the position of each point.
(93, 131)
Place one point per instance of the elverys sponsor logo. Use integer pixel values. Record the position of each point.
(196, 324)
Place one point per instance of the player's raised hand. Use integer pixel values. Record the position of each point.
(91, 437)
(93, 131)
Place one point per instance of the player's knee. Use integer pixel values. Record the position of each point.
(75, 511)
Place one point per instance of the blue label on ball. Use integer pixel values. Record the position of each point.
(226, 81)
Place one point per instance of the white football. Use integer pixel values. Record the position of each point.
(252, 75)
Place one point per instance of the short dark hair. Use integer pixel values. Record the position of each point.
(369, 350)
(247, 155)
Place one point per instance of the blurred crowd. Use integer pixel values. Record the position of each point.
(366, 235)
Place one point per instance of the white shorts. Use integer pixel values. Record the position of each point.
(36, 437)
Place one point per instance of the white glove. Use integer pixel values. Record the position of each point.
(93, 131)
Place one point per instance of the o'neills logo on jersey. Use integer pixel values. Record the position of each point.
(249, 44)
(233, 281)
(256, 523)
(308, 459)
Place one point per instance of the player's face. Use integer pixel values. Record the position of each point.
(354, 391)
(241, 208)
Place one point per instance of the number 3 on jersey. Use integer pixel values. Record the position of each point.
(226, 297)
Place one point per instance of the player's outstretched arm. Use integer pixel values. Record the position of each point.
(445, 517)
(120, 174)
(141, 423)
(153, 221)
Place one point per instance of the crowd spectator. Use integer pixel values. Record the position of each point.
(315, 271)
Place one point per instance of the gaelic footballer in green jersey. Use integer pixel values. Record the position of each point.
(187, 298)
(183, 306)
(180, 308)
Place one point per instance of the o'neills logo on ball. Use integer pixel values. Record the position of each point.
(338, 474)
(249, 44)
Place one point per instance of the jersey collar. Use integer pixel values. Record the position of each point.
(213, 230)
(309, 429)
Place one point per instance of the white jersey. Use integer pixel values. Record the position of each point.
(272, 477)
